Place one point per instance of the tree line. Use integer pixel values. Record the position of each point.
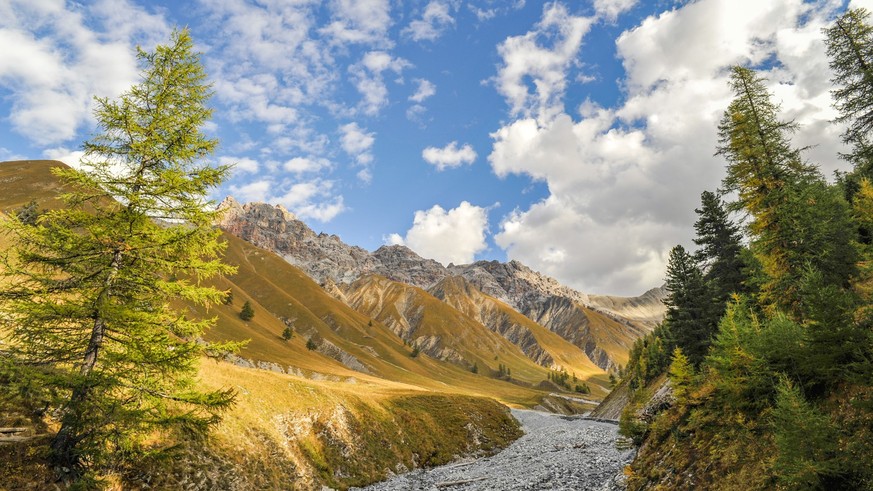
(768, 335)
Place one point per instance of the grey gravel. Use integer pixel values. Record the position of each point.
(556, 453)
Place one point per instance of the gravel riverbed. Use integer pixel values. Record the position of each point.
(556, 453)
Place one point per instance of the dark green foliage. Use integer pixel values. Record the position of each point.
(247, 312)
(228, 298)
(648, 358)
(90, 288)
(475, 368)
(582, 388)
(850, 49)
(805, 440)
(288, 333)
(688, 305)
(310, 344)
(28, 213)
(415, 351)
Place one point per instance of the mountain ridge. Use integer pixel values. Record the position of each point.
(603, 326)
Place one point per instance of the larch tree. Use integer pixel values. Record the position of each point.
(92, 292)
(796, 220)
(849, 44)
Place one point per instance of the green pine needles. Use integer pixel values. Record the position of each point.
(92, 292)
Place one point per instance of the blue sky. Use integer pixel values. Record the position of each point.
(573, 136)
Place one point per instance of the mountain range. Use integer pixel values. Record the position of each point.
(393, 283)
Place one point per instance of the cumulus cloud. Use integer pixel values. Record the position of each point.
(72, 158)
(299, 165)
(357, 142)
(359, 21)
(60, 61)
(435, 19)
(425, 90)
(370, 82)
(526, 61)
(611, 9)
(449, 156)
(240, 164)
(453, 236)
(623, 181)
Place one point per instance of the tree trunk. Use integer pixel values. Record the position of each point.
(64, 453)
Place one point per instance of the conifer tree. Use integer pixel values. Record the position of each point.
(287, 333)
(89, 289)
(795, 218)
(720, 249)
(850, 49)
(681, 374)
(247, 313)
(687, 304)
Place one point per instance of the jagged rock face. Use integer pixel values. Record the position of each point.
(515, 283)
(274, 228)
(400, 263)
(460, 294)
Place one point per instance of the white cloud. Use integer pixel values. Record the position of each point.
(359, 21)
(453, 236)
(611, 9)
(526, 61)
(449, 156)
(435, 19)
(357, 142)
(623, 181)
(299, 165)
(313, 199)
(241, 164)
(72, 158)
(370, 82)
(425, 90)
(60, 61)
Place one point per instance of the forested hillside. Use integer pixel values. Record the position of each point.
(767, 341)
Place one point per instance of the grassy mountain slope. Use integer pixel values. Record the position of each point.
(540, 344)
(438, 329)
(345, 413)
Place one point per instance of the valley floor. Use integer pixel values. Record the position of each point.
(556, 453)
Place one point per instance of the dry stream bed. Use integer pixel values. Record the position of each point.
(556, 453)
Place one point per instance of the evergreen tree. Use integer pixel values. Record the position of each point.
(288, 333)
(796, 219)
(310, 344)
(687, 305)
(850, 49)
(720, 249)
(90, 288)
(247, 312)
(681, 374)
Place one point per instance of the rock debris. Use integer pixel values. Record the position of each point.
(556, 453)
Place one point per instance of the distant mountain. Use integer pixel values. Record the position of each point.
(604, 327)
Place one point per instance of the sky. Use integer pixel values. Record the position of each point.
(574, 136)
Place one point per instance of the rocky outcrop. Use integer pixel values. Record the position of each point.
(274, 228)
